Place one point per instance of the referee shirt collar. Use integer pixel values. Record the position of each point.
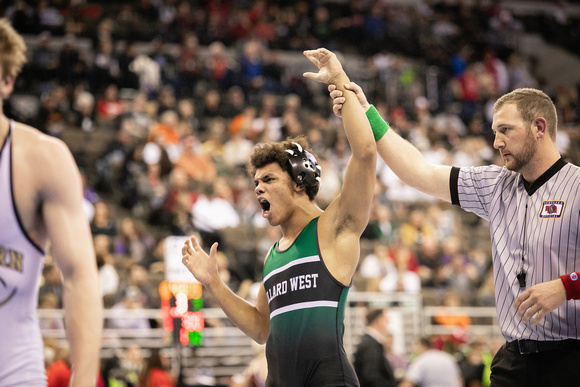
(533, 187)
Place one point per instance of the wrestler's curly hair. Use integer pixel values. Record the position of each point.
(275, 152)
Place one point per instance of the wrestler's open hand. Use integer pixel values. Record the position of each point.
(329, 67)
(338, 97)
(203, 266)
(539, 300)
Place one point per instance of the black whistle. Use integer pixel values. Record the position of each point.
(522, 279)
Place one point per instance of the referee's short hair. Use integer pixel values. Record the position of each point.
(531, 104)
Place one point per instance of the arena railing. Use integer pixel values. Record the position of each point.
(225, 351)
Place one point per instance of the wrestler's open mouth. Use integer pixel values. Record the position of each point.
(264, 204)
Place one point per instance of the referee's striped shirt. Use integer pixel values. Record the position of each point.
(540, 221)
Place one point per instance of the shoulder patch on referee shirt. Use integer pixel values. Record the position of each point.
(552, 209)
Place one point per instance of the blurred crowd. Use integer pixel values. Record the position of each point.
(182, 90)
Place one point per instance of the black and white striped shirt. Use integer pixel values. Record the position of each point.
(540, 221)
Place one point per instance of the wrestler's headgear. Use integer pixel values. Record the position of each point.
(304, 167)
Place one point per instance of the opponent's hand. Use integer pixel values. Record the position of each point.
(203, 267)
(338, 99)
(539, 300)
(329, 67)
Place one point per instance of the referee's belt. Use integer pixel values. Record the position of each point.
(525, 347)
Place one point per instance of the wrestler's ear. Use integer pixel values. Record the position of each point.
(299, 187)
(6, 86)
(9, 80)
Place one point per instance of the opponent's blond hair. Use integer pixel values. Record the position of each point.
(12, 49)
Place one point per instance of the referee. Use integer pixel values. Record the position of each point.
(533, 205)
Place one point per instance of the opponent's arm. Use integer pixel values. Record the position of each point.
(348, 215)
(72, 247)
(399, 154)
(254, 321)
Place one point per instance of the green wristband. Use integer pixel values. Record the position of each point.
(378, 125)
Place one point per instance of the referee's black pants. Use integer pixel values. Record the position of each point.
(550, 368)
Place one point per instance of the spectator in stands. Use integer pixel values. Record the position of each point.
(156, 372)
(137, 276)
(485, 294)
(416, 229)
(370, 361)
(450, 246)
(166, 100)
(58, 373)
(151, 192)
(471, 364)
(210, 109)
(49, 18)
(178, 202)
(53, 111)
(460, 274)
(403, 279)
(267, 126)
(131, 365)
(237, 149)
(429, 259)
(108, 275)
(52, 283)
(218, 67)
(213, 144)
(198, 164)
(188, 115)
(166, 134)
(376, 266)
(189, 65)
(105, 67)
(252, 66)
(144, 73)
(103, 223)
(44, 62)
(133, 241)
(518, 73)
(136, 121)
(212, 213)
(133, 300)
(110, 105)
(49, 301)
(242, 122)
(84, 113)
(21, 16)
(431, 367)
(331, 181)
(380, 227)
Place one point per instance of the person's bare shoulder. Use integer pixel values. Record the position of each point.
(34, 141)
(42, 159)
(40, 150)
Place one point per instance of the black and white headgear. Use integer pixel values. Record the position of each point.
(304, 167)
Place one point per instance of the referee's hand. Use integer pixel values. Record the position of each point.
(539, 300)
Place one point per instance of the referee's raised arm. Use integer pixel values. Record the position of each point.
(400, 155)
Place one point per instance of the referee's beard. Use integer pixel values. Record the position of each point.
(522, 158)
